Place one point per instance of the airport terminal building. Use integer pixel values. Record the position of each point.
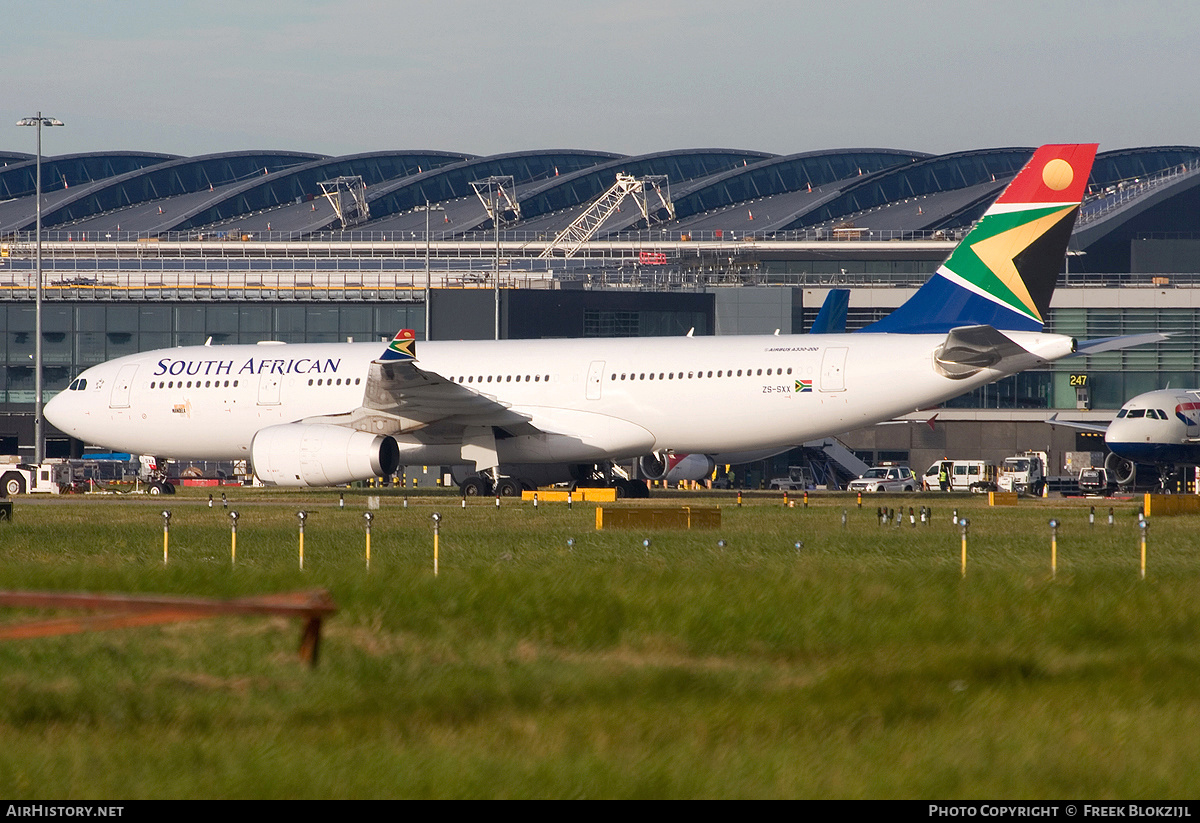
(144, 250)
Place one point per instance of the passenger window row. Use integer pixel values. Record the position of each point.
(502, 378)
(198, 384)
(698, 374)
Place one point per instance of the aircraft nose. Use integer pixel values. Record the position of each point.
(61, 412)
(53, 410)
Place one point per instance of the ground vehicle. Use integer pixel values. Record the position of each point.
(885, 479)
(1096, 480)
(1024, 473)
(798, 479)
(964, 475)
(20, 478)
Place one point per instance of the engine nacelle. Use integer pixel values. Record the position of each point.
(674, 467)
(298, 454)
(654, 466)
(691, 467)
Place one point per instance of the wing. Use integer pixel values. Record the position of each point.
(1077, 424)
(401, 397)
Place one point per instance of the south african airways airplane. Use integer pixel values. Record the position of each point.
(517, 411)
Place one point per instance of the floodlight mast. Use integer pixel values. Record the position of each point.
(489, 191)
(39, 434)
(428, 209)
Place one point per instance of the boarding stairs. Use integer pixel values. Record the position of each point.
(832, 464)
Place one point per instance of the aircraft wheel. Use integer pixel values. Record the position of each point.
(156, 488)
(509, 487)
(168, 488)
(14, 484)
(475, 486)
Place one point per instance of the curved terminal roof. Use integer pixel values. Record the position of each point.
(450, 186)
(18, 178)
(1132, 192)
(933, 175)
(1112, 167)
(164, 179)
(679, 166)
(1143, 192)
(284, 200)
(758, 198)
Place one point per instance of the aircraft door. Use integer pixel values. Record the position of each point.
(595, 379)
(268, 389)
(833, 369)
(121, 388)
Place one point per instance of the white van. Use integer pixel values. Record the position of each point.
(965, 475)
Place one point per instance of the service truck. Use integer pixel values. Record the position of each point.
(1024, 473)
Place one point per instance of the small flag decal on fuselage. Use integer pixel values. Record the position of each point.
(803, 385)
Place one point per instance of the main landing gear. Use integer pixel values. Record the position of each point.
(481, 485)
(590, 477)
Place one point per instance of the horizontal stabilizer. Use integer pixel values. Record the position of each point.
(1104, 344)
(970, 349)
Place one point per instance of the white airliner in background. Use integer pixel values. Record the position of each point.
(1158, 428)
(519, 410)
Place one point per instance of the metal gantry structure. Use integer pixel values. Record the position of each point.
(348, 196)
(490, 191)
(585, 226)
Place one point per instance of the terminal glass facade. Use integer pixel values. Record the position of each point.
(78, 335)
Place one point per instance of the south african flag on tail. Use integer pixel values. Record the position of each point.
(403, 347)
(1004, 271)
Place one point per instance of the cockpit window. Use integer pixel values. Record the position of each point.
(77, 385)
(1162, 415)
(1122, 413)
(1135, 413)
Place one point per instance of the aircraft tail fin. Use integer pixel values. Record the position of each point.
(831, 319)
(402, 348)
(1004, 271)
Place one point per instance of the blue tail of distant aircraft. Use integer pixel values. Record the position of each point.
(831, 319)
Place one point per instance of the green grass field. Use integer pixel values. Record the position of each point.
(863, 665)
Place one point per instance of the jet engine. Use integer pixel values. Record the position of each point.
(673, 467)
(1123, 471)
(298, 454)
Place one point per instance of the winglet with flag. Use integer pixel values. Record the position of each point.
(402, 348)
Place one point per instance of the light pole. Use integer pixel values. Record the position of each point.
(496, 226)
(428, 208)
(39, 435)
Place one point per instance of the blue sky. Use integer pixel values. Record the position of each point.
(631, 77)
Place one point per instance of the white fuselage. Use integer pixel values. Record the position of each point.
(1158, 427)
(592, 399)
